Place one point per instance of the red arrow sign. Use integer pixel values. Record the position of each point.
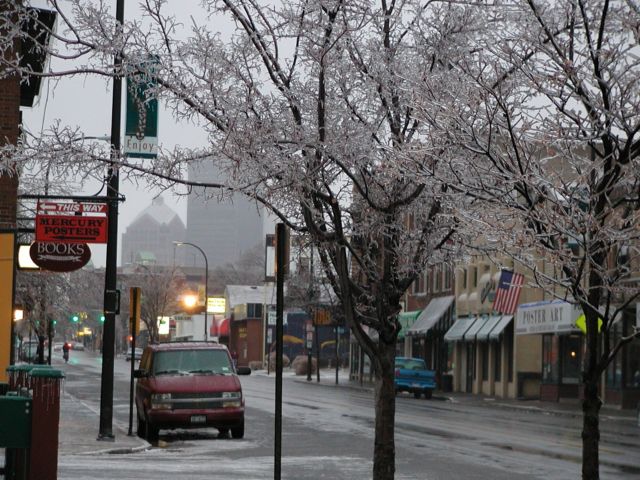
(71, 229)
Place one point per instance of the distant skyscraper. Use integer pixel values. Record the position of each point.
(225, 229)
(149, 238)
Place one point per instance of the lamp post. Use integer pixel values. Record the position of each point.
(206, 280)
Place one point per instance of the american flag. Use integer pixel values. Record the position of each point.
(508, 292)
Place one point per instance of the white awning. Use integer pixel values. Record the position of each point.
(499, 328)
(457, 331)
(483, 333)
(470, 334)
(436, 309)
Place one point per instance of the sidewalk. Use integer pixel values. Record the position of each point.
(78, 431)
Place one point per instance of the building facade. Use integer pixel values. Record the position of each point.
(149, 238)
(224, 228)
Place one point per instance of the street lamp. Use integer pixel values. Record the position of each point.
(206, 280)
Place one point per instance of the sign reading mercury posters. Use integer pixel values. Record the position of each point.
(71, 229)
(141, 131)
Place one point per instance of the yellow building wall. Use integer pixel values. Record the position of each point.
(6, 300)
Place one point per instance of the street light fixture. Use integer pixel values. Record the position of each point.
(206, 280)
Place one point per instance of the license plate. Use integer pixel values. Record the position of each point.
(198, 418)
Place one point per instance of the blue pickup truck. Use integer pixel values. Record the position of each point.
(413, 376)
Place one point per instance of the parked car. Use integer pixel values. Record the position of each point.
(137, 354)
(29, 351)
(77, 346)
(412, 375)
(188, 385)
(57, 347)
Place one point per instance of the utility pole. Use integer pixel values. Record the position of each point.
(281, 267)
(111, 297)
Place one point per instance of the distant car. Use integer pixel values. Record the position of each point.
(57, 347)
(189, 385)
(137, 354)
(77, 346)
(412, 375)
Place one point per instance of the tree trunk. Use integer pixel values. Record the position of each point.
(385, 398)
(590, 430)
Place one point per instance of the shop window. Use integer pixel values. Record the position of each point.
(448, 278)
(464, 278)
(474, 277)
(571, 355)
(508, 338)
(485, 360)
(632, 363)
(550, 363)
(497, 365)
(437, 278)
(614, 370)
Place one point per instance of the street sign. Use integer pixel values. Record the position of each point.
(71, 229)
(216, 305)
(60, 257)
(135, 299)
(71, 207)
(322, 317)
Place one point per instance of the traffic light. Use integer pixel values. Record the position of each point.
(75, 317)
(102, 318)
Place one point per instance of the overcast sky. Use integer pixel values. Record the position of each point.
(86, 102)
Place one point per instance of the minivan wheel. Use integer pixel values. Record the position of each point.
(141, 429)
(238, 432)
(151, 432)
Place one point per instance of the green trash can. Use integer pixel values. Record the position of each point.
(15, 421)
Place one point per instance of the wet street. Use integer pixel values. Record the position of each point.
(328, 433)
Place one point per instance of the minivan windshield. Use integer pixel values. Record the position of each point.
(202, 361)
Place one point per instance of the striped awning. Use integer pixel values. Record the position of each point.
(458, 329)
(491, 322)
(430, 316)
(470, 335)
(499, 328)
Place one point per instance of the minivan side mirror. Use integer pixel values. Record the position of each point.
(140, 373)
(243, 371)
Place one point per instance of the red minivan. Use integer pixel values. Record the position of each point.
(189, 385)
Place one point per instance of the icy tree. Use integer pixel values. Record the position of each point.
(308, 107)
(160, 288)
(545, 134)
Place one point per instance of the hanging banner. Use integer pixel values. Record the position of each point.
(141, 130)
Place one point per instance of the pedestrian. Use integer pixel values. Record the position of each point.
(65, 351)
(234, 358)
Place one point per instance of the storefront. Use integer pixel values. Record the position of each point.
(562, 345)
(482, 354)
(622, 380)
(427, 334)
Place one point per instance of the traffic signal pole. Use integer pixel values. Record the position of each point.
(111, 298)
